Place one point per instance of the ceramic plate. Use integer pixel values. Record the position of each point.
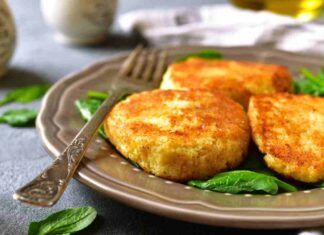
(106, 171)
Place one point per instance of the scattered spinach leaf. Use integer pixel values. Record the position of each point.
(97, 95)
(207, 54)
(124, 96)
(102, 95)
(310, 84)
(19, 117)
(240, 181)
(64, 222)
(87, 108)
(285, 186)
(25, 94)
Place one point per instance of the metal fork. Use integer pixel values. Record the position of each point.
(142, 69)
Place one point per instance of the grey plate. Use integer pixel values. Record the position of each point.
(106, 171)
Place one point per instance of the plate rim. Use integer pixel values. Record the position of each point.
(241, 221)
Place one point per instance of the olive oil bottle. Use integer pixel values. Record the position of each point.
(302, 9)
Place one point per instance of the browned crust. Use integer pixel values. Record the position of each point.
(235, 79)
(290, 128)
(203, 133)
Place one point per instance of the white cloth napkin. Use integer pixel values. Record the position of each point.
(225, 25)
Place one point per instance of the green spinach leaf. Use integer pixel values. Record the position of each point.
(97, 95)
(124, 96)
(87, 108)
(207, 54)
(310, 84)
(240, 181)
(64, 222)
(19, 117)
(25, 94)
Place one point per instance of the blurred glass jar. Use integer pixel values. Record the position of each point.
(79, 21)
(303, 9)
(7, 36)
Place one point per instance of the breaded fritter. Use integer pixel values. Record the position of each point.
(289, 129)
(179, 135)
(234, 79)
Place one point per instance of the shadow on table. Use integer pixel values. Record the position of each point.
(17, 77)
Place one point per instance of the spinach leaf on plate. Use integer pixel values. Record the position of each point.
(87, 108)
(25, 94)
(310, 84)
(124, 96)
(19, 117)
(64, 222)
(97, 95)
(207, 54)
(240, 181)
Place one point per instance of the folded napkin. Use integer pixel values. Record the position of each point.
(225, 25)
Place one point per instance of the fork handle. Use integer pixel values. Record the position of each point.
(47, 188)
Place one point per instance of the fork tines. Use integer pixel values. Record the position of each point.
(145, 64)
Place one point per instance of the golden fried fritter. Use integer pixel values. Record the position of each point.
(234, 79)
(289, 129)
(179, 135)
